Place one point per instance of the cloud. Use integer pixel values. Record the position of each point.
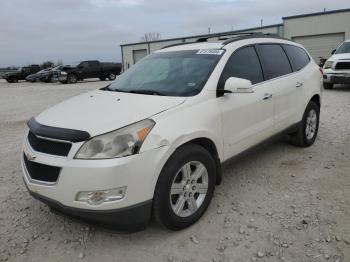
(38, 30)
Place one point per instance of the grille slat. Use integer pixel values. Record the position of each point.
(48, 146)
(41, 172)
(342, 66)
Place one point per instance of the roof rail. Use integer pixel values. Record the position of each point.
(261, 35)
(236, 37)
(205, 39)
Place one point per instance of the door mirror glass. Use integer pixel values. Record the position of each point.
(333, 51)
(238, 85)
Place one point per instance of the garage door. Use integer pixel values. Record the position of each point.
(139, 54)
(320, 45)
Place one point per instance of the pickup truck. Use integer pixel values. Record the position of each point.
(336, 69)
(21, 74)
(89, 69)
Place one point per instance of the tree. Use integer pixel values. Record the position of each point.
(47, 64)
(151, 36)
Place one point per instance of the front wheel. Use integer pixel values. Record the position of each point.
(185, 187)
(72, 79)
(308, 129)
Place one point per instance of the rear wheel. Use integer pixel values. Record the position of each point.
(185, 187)
(102, 78)
(72, 79)
(308, 129)
(328, 85)
(111, 76)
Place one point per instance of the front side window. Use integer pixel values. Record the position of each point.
(274, 60)
(297, 57)
(178, 73)
(344, 48)
(245, 64)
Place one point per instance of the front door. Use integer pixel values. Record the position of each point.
(248, 118)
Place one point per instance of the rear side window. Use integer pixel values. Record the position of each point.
(274, 60)
(243, 64)
(297, 57)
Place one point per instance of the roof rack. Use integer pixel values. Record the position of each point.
(266, 35)
(205, 39)
(236, 37)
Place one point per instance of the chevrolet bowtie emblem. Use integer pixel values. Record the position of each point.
(29, 156)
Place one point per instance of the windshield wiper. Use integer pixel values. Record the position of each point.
(147, 92)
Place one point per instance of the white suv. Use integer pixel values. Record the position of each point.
(153, 141)
(337, 67)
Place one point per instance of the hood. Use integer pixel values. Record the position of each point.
(99, 111)
(340, 57)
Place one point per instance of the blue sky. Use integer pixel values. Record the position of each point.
(33, 31)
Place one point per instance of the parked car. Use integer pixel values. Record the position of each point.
(151, 144)
(21, 74)
(336, 69)
(39, 76)
(89, 69)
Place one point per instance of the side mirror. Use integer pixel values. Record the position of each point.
(333, 51)
(238, 85)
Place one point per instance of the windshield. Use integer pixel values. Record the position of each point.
(344, 48)
(179, 73)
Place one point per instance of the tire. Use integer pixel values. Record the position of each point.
(112, 76)
(328, 85)
(14, 80)
(72, 78)
(308, 128)
(9, 80)
(102, 78)
(194, 157)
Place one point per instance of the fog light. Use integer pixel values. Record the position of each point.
(101, 196)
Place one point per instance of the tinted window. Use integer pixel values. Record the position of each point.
(93, 63)
(274, 60)
(297, 57)
(243, 64)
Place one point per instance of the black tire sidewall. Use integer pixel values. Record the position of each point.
(72, 77)
(164, 213)
(310, 106)
(113, 76)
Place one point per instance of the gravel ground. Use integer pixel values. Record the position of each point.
(280, 203)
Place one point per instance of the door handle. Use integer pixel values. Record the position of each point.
(267, 96)
(299, 84)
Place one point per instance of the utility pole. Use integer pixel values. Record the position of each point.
(261, 22)
(208, 30)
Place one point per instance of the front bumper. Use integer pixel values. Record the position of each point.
(336, 77)
(133, 218)
(139, 173)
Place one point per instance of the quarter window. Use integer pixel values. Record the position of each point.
(297, 57)
(245, 64)
(274, 60)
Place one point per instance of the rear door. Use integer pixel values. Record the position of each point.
(93, 69)
(278, 74)
(247, 118)
(304, 77)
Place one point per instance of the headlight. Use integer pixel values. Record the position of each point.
(63, 73)
(328, 64)
(122, 142)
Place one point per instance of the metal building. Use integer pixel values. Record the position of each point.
(319, 32)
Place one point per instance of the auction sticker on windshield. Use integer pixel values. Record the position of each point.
(210, 52)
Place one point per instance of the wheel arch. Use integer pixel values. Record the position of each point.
(317, 99)
(210, 146)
